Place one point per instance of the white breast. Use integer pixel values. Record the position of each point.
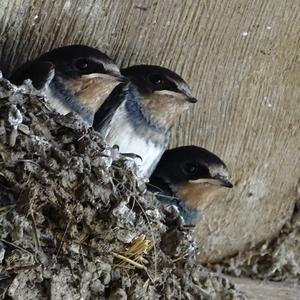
(56, 103)
(124, 135)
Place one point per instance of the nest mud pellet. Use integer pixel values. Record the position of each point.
(76, 222)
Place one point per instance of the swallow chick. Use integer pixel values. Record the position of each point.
(141, 123)
(75, 78)
(190, 178)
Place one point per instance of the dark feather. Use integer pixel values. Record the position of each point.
(39, 72)
(105, 113)
(158, 185)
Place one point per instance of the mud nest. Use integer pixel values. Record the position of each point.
(277, 259)
(76, 222)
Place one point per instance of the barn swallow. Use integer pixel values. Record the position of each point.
(141, 123)
(75, 78)
(190, 178)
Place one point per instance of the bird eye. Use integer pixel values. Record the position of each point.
(190, 168)
(155, 79)
(82, 64)
(87, 66)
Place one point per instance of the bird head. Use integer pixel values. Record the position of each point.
(79, 77)
(195, 175)
(85, 72)
(163, 93)
(75, 61)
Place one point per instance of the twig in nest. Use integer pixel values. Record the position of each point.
(183, 256)
(63, 238)
(149, 225)
(16, 246)
(7, 208)
(23, 268)
(130, 261)
(146, 285)
(35, 232)
(137, 249)
(135, 264)
(152, 236)
(134, 255)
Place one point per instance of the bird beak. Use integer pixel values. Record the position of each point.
(192, 99)
(106, 77)
(222, 182)
(181, 96)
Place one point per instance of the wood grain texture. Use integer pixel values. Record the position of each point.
(240, 57)
(266, 290)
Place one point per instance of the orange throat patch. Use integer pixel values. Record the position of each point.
(200, 195)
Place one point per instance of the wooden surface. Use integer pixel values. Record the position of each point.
(241, 58)
(264, 290)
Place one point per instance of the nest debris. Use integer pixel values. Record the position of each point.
(277, 259)
(76, 222)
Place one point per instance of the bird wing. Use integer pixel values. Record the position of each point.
(39, 72)
(104, 114)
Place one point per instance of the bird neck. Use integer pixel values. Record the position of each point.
(199, 196)
(166, 193)
(139, 115)
(189, 214)
(60, 92)
(164, 109)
